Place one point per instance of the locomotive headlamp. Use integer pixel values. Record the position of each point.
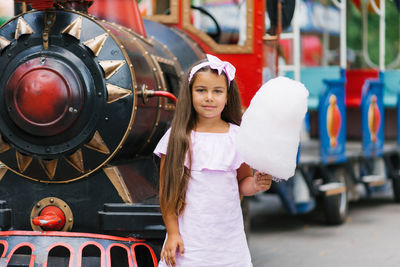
(44, 96)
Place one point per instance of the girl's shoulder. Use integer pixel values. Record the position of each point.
(233, 128)
(162, 145)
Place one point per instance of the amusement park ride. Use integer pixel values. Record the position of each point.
(88, 88)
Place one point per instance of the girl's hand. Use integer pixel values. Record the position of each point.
(263, 181)
(174, 242)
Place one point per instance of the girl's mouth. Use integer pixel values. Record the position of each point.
(208, 107)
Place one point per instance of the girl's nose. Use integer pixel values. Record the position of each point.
(209, 96)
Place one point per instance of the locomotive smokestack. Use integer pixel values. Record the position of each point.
(123, 12)
(78, 5)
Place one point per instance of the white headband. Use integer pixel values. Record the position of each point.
(216, 64)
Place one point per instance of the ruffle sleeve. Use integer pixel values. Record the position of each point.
(162, 145)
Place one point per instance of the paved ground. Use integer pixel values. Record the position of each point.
(369, 238)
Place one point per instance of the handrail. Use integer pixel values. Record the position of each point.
(382, 27)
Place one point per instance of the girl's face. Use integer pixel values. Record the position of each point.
(209, 94)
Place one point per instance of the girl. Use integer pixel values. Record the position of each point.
(202, 176)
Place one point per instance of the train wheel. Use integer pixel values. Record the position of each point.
(393, 165)
(336, 206)
(396, 188)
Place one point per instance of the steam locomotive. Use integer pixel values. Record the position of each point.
(89, 87)
(84, 102)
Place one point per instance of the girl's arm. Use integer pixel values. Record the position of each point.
(174, 241)
(250, 184)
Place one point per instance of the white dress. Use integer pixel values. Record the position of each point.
(212, 224)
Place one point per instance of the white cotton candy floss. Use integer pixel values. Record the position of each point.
(269, 134)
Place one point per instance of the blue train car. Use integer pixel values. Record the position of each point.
(352, 146)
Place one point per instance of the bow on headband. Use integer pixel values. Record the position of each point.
(216, 64)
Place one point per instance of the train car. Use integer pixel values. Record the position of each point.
(352, 138)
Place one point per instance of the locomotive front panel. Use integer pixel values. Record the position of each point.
(78, 122)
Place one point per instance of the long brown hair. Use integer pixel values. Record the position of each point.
(174, 175)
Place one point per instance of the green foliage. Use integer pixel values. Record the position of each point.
(354, 34)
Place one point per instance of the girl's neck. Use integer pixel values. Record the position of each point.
(212, 126)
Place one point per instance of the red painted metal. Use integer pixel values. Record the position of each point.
(354, 83)
(51, 218)
(70, 234)
(44, 96)
(166, 94)
(62, 244)
(24, 244)
(76, 249)
(123, 12)
(41, 96)
(94, 243)
(153, 255)
(45, 4)
(5, 244)
(311, 50)
(39, 4)
(128, 252)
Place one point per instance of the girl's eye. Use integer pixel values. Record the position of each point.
(200, 90)
(218, 91)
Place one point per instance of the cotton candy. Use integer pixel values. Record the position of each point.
(269, 134)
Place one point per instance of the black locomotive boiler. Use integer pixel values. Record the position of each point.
(83, 103)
